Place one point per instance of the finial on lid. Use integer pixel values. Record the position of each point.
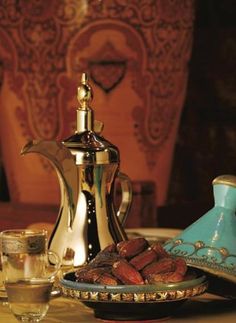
(225, 180)
(84, 92)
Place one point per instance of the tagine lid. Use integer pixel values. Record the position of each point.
(210, 243)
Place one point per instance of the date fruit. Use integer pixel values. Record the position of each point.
(160, 266)
(90, 275)
(131, 248)
(104, 258)
(126, 273)
(171, 277)
(143, 259)
(107, 279)
(133, 262)
(160, 251)
(181, 266)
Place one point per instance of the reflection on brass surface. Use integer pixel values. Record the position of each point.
(87, 166)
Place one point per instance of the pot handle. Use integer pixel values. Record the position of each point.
(126, 197)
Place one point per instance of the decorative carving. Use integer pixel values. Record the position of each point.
(40, 34)
(107, 67)
(117, 297)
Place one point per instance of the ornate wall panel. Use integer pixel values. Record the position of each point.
(136, 53)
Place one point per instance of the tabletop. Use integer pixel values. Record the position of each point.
(204, 309)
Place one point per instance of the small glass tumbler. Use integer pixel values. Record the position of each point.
(29, 270)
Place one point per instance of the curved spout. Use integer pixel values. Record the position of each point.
(63, 162)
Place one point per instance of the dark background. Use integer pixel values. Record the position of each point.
(206, 143)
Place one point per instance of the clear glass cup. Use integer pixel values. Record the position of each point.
(29, 271)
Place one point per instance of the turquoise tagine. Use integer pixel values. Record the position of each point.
(210, 242)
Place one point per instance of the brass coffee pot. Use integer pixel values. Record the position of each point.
(87, 166)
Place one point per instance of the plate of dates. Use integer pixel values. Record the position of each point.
(134, 280)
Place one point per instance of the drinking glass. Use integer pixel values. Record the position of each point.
(29, 271)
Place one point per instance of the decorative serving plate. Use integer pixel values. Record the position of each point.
(133, 302)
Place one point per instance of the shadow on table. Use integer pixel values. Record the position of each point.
(206, 307)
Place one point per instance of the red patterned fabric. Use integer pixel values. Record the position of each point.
(136, 53)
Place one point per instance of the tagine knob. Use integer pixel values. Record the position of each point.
(225, 180)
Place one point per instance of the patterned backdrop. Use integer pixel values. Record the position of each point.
(207, 135)
(136, 53)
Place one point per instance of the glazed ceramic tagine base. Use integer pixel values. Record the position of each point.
(210, 242)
